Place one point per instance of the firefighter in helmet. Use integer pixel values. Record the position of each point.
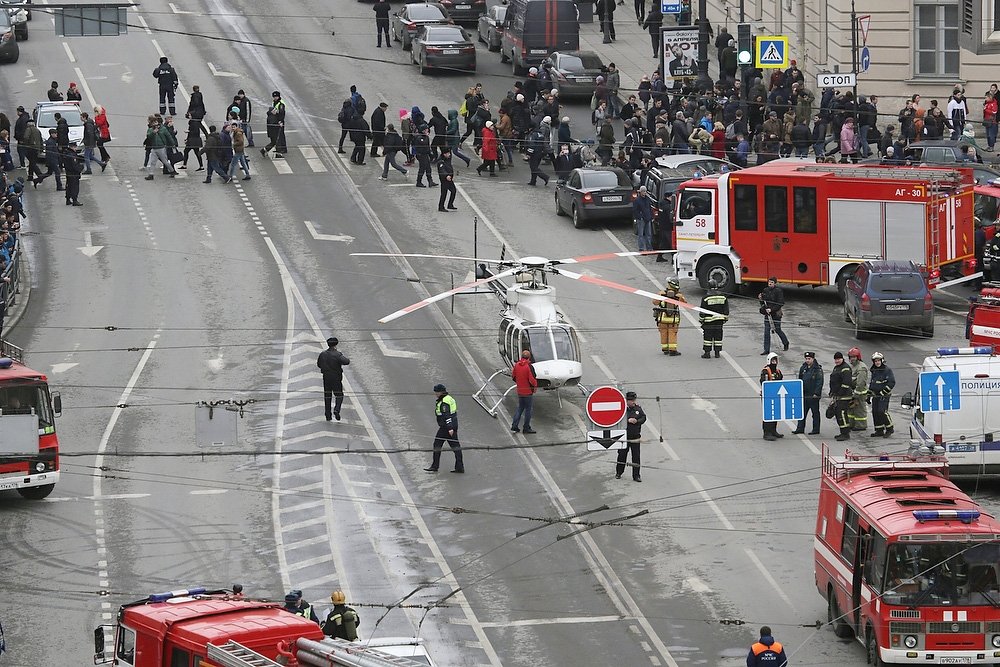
(711, 325)
(860, 379)
(842, 393)
(668, 317)
(991, 258)
(342, 621)
(879, 391)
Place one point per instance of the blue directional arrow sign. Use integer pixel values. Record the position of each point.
(782, 400)
(670, 6)
(866, 59)
(940, 391)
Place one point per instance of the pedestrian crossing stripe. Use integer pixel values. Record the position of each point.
(772, 51)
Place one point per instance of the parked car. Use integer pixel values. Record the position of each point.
(532, 29)
(887, 295)
(464, 11)
(406, 21)
(19, 17)
(490, 27)
(9, 50)
(443, 47)
(45, 118)
(600, 193)
(575, 73)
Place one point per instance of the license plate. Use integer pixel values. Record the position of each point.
(611, 199)
(584, 79)
(463, 6)
(9, 485)
(539, 52)
(897, 306)
(964, 449)
(451, 52)
(955, 660)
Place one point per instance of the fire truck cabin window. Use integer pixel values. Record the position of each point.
(850, 542)
(26, 400)
(745, 207)
(804, 210)
(126, 646)
(695, 203)
(875, 561)
(942, 573)
(775, 208)
(180, 658)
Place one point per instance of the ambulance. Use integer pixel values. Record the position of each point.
(969, 437)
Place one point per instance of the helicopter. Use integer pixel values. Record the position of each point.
(529, 319)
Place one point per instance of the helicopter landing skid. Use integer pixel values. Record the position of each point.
(483, 402)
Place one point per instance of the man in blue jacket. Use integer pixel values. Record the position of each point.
(642, 213)
(811, 374)
(766, 652)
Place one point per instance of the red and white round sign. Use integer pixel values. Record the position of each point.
(606, 406)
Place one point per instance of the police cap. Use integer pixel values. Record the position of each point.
(440, 387)
(332, 340)
(811, 355)
(838, 355)
(630, 396)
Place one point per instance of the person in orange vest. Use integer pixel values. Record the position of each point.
(524, 377)
(771, 372)
(766, 652)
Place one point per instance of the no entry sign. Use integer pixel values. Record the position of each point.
(606, 406)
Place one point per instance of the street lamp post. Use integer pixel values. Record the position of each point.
(704, 82)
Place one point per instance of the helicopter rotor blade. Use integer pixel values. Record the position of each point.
(485, 260)
(625, 288)
(444, 295)
(605, 255)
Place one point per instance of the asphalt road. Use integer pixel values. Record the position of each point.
(225, 292)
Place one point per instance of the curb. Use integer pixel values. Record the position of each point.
(21, 306)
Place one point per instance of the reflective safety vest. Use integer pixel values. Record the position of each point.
(768, 655)
(665, 312)
(719, 304)
(446, 410)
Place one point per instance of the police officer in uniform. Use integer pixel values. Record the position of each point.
(811, 374)
(446, 177)
(668, 317)
(634, 419)
(331, 363)
(879, 391)
(342, 621)
(768, 373)
(711, 325)
(766, 652)
(296, 605)
(73, 165)
(842, 392)
(421, 143)
(446, 411)
(166, 77)
(860, 378)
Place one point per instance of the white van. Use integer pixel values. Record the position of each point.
(970, 437)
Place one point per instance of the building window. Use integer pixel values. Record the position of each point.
(996, 16)
(936, 41)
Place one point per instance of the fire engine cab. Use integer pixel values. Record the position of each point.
(982, 324)
(908, 563)
(199, 628)
(814, 224)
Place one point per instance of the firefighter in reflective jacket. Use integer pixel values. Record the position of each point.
(446, 411)
(668, 317)
(860, 378)
(766, 652)
(711, 325)
(842, 392)
(342, 621)
(991, 259)
(879, 391)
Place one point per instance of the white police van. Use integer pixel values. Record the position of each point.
(970, 437)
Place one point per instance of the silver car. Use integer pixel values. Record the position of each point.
(491, 27)
(575, 73)
(9, 50)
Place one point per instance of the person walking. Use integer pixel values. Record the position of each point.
(446, 412)
(860, 379)
(652, 23)
(377, 128)
(275, 127)
(766, 652)
(20, 127)
(489, 150)
(634, 419)
(667, 316)
(421, 144)
(771, 372)
(239, 153)
(193, 143)
(331, 364)
(212, 149)
(842, 392)
(524, 378)
(538, 148)
(73, 164)
(103, 131)
(53, 161)
(246, 115)
(446, 177)
(345, 118)
(711, 325)
(342, 622)
(90, 143)
(454, 140)
(642, 213)
(382, 9)
(158, 138)
(32, 143)
(811, 374)
(360, 134)
(196, 105)
(879, 391)
(166, 78)
(772, 299)
(392, 144)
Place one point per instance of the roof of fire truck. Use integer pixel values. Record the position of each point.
(865, 171)
(903, 495)
(215, 618)
(12, 364)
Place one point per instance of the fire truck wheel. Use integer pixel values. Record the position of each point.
(719, 269)
(872, 645)
(840, 628)
(36, 492)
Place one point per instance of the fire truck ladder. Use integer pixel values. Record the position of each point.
(8, 349)
(330, 651)
(234, 654)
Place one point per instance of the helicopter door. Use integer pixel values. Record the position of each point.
(503, 338)
(567, 347)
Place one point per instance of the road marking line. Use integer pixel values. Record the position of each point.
(309, 562)
(325, 580)
(312, 504)
(219, 72)
(305, 523)
(281, 166)
(604, 369)
(308, 542)
(85, 86)
(311, 405)
(209, 492)
(711, 503)
(156, 45)
(176, 10)
(145, 27)
(69, 53)
(697, 585)
(767, 575)
(563, 620)
(309, 153)
(402, 354)
(344, 238)
(709, 408)
(308, 470)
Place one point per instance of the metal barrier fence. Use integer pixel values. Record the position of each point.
(10, 290)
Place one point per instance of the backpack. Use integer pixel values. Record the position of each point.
(345, 115)
(361, 107)
(731, 130)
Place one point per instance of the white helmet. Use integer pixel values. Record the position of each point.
(878, 355)
(772, 357)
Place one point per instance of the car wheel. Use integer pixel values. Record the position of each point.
(395, 36)
(16, 56)
(36, 492)
(833, 616)
(559, 208)
(578, 221)
(927, 332)
(490, 41)
(21, 35)
(518, 70)
(859, 330)
(503, 56)
(847, 314)
(871, 645)
(718, 269)
(423, 66)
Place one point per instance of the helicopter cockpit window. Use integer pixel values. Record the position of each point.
(538, 341)
(565, 344)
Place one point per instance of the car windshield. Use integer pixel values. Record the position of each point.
(48, 118)
(604, 179)
(27, 400)
(579, 62)
(902, 283)
(424, 13)
(445, 35)
(688, 169)
(942, 573)
(501, 13)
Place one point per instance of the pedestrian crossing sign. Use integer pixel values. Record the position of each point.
(772, 52)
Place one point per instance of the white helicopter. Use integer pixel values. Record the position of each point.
(529, 318)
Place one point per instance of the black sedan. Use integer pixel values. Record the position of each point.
(491, 27)
(465, 11)
(595, 194)
(443, 47)
(575, 73)
(405, 22)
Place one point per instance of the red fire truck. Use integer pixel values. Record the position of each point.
(29, 446)
(199, 628)
(908, 563)
(813, 224)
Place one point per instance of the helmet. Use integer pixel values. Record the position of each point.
(337, 597)
(878, 355)
(854, 352)
(673, 284)
(772, 357)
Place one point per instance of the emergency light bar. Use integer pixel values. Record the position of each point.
(6, 362)
(952, 351)
(163, 597)
(965, 516)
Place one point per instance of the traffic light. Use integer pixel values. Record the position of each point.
(744, 44)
